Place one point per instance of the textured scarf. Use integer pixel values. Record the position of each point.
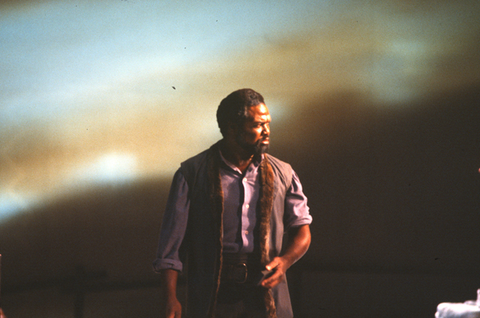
(264, 211)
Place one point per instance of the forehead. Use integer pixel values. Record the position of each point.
(258, 113)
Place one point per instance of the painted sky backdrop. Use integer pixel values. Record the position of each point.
(90, 89)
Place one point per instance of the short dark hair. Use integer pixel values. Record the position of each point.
(233, 108)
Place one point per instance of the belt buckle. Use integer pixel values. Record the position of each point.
(245, 275)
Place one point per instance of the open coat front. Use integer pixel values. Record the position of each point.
(202, 247)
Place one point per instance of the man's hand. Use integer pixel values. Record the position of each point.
(173, 308)
(279, 267)
(299, 239)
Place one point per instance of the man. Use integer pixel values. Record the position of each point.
(227, 214)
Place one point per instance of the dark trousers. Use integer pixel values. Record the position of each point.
(239, 301)
(239, 296)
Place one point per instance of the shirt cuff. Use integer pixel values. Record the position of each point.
(307, 220)
(160, 264)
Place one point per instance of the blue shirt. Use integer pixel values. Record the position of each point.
(240, 192)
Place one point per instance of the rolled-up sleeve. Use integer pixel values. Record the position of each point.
(297, 212)
(173, 227)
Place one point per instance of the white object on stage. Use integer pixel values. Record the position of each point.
(468, 309)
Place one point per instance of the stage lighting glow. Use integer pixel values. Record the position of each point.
(113, 168)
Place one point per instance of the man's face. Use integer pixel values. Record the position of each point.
(253, 135)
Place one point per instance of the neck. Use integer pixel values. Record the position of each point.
(235, 154)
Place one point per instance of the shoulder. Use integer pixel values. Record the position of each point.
(195, 159)
(281, 169)
(193, 165)
(201, 157)
(278, 164)
(197, 164)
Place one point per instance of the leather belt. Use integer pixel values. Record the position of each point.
(237, 273)
(239, 268)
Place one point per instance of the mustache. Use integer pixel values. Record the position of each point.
(259, 141)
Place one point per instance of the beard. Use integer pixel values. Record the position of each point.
(256, 149)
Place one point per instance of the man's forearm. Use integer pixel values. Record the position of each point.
(169, 282)
(297, 245)
(173, 308)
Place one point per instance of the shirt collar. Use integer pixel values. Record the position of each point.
(256, 162)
